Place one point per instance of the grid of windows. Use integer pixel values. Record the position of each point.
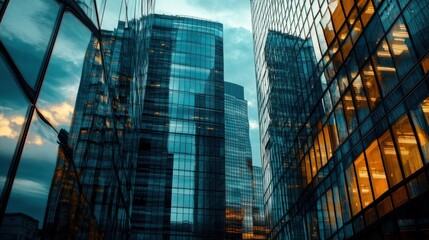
(180, 178)
(238, 165)
(360, 147)
(46, 48)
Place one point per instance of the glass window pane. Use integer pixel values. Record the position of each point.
(360, 99)
(391, 163)
(386, 71)
(328, 141)
(400, 45)
(407, 144)
(26, 34)
(350, 112)
(417, 20)
(376, 169)
(13, 109)
(58, 94)
(420, 117)
(341, 122)
(31, 185)
(332, 127)
(353, 190)
(363, 180)
(367, 13)
(337, 202)
(370, 84)
(342, 187)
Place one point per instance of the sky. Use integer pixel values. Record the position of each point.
(58, 93)
(238, 47)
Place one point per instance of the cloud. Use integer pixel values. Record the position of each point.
(10, 126)
(59, 114)
(253, 124)
(28, 187)
(231, 13)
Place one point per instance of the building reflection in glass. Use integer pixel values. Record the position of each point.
(359, 146)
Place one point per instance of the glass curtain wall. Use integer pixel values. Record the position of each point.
(360, 146)
(238, 165)
(46, 52)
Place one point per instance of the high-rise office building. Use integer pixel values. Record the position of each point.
(352, 158)
(260, 229)
(238, 165)
(179, 187)
(42, 62)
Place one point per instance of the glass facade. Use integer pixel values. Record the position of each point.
(344, 153)
(260, 229)
(55, 66)
(179, 190)
(238, 165)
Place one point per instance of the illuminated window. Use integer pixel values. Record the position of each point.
(386, 71)
(407, 144)
(400, 45)
(376, 169)
(363, 180)
(371, 85)
(350, 112)
(352, 188)
(367, 13)
(359, 97)
(420, 117)
(391, 163)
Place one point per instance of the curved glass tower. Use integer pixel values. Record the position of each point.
(179, 187)
(343, 103)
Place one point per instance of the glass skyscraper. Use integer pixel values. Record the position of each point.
(260, 229)
(345, 153)
(179, 190)
(238, 165)
(46, 48)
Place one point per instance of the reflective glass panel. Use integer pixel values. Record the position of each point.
(386, 71)
(376, 169)
(353, 190)
(417, 20)
(393, 171)
(58, 94)
(401, 48)
(350, 113)
(360, 99)
(13, 109)
(363, 180)
(26, 34)
(33, 179)
(407, 144)
(420, 117)
(371, 86)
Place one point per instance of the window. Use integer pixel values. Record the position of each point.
(391, 163)
(352, 188)
(376, 169)
(420, 118)
(359, 96)
(370, 84)
(407, 145)
(386, 71)
(363, 180)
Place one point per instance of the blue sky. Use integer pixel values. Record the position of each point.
(238, 47)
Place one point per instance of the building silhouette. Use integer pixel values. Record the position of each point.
(344, 153)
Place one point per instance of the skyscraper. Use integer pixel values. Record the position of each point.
(260, 229)
(351, 157)
(238, 165)
(179, 187)
(41, 65)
